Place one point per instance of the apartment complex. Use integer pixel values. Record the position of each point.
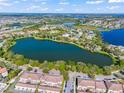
(43, 83)
(94, 86)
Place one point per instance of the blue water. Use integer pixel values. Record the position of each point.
(49, 50)
(69, 24)
(115, 37)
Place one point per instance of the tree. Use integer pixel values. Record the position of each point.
(29, 68)
(65, 75)
(13, 73)
(34, 63)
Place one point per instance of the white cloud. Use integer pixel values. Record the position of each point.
(39, 0)
(16, 2)
(24, 0)
(64, 3)
(44, 9)
(37, 8)
(115, 1)
(5, 3)
(43, 3)
(32, 8)
(94, 1)
(113, 7)
(59, 9)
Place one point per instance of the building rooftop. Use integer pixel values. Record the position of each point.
(31, 75)
(52, 78)
(54, 72)
(100, 85)
(86, 83)
(2, 70)
(116, 87)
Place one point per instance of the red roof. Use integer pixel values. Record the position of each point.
(2, 70)
(52, 78)
(32, 76)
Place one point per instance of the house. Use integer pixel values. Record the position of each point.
(54, 72)
(30, 77)
(25, 87)
(85, 85)
(100, 87)
(51, 83)
(3, 72)
(115, 87)
(52, 80)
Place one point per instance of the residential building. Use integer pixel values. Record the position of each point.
(3, 72)
(115, 87)
(30, 77)
(98, 86)
(85, 86)
(51, 83)
(52, 80)
(25, 87)
(47, 89)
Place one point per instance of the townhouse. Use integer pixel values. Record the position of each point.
(44, 83)
(114, 88)
(28, 82)
(51, 83)
(30, 77)
(25, 87)
(95, 86)
(85, 86)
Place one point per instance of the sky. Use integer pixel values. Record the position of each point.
(62, 6)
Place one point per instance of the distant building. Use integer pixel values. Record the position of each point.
(3, 72)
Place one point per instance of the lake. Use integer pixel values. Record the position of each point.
(52, 51)
(114, 37)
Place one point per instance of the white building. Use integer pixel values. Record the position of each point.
(30, 77)
(25, 87)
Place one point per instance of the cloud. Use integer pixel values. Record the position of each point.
(116, 1)
(32, 8)
(43, 3)
(59, 9)
(39, 0)
(94, 1)
(16, 2)
(5, 3)
(37, 8)
(64, 3)
(113, 7)
(44, 9)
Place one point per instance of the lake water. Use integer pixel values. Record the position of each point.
(115, 37)
(52, 51)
